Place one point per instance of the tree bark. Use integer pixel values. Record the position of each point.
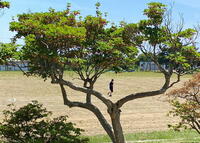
(91, 108)
(116, 124)
(115, 132)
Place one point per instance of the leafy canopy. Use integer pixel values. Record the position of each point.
(157, 39)
(56, 40)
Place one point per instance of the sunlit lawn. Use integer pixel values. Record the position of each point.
(187, 136)
(146, 114)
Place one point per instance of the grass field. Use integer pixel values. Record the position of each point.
(187, 136)
(142, 115)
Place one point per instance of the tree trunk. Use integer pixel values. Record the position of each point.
(116, 124)
(91, 108)
(90, 86)
(115, 132)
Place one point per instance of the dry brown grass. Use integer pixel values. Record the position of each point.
(145, 114)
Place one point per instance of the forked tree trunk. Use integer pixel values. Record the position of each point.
(91, 108)
(115, 131)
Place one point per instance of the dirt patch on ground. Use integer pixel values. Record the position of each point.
(146, 114)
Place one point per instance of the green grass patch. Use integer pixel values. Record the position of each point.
(110, 74)
(141, 74)
(2, 73)
(135, 74)
(187, 136)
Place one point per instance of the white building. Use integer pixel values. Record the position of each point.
(150, 66)
(14, 67)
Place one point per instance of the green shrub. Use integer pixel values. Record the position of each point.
(29, 124)
(186, 104)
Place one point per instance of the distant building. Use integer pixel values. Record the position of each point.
(150, 66)
(14, 67)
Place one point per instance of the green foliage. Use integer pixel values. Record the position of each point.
(29, 124)
(157, 40)
(59, 40)
(7, 51)
(155, 12)
(186, 105)
(4, 4)
(143, 58)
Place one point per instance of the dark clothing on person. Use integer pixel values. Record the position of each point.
(111, 86)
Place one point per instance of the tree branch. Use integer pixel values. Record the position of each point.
(131, 97)
(91, 108)
(107, 102)
(178, 80)
(20, 68)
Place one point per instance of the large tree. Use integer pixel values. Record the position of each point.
(164, 43)
(56, 41)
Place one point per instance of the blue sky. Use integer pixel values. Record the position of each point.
(127, 10)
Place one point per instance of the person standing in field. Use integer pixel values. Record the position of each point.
(111, 87)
